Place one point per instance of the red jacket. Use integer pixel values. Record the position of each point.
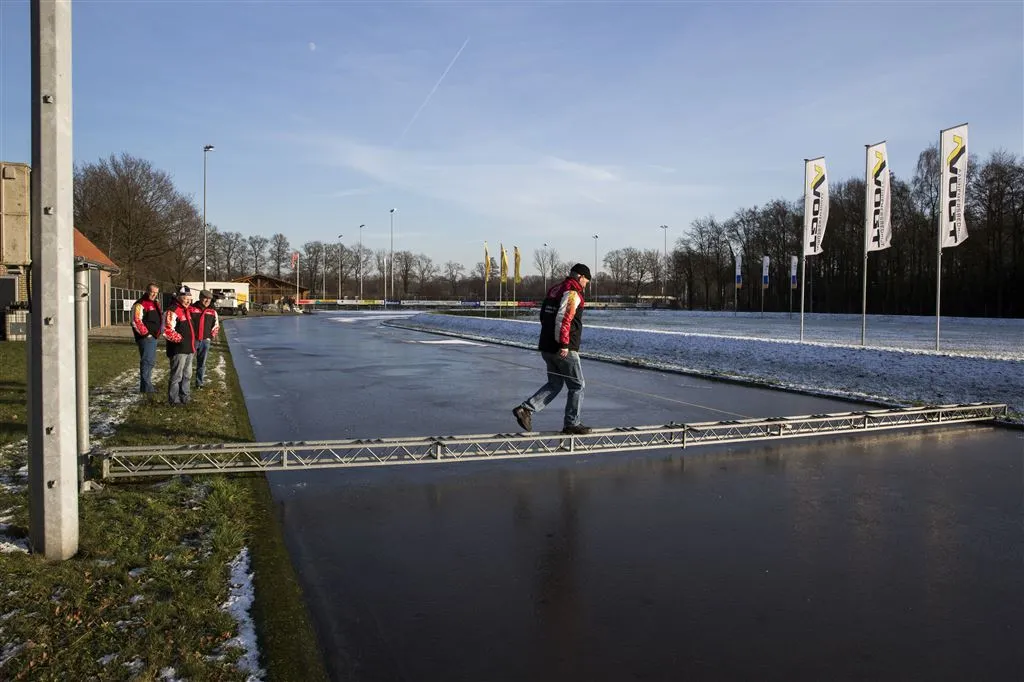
(206, 322)
(146, 318)
(179, 329)
(561, 317)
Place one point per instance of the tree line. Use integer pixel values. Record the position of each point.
(155, 232)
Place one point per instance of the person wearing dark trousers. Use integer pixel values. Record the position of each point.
(146, 326)
(561, 328)
(181, 347)
(207, 325)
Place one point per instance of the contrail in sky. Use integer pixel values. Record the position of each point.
(436, 86)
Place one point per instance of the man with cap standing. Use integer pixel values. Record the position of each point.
(181, 346)
(561, 326)
(207, 326)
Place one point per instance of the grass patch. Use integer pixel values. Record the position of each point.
(144, 593)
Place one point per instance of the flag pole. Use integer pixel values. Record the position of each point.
(803, 258)
(867, 237)
(938, 249)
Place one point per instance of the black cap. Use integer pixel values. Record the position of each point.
(580, 269)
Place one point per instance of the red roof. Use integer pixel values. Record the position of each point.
(90, 253)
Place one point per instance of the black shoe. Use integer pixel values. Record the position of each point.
(524, 417)
(576, 430)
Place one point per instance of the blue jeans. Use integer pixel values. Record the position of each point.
(178, 386)
(147, 358)
(202, 350)
(561, 372)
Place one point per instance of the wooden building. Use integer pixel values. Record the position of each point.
(264, 289)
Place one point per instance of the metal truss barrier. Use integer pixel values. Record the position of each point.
(284, 456)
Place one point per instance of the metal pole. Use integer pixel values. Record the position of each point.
(938, 261)
(206, 149)
(323, 285)
(52, 439)
(360, 263)
(82, 367)
(341, 251)
(867, 237)
(803, 260)
(545, 269)
(593, 289)
(664, 273)
(392, 212)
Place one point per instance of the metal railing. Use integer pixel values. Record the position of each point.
(284, 456)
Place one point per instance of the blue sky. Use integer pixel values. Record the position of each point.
(556, 122)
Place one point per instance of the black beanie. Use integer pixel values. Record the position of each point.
(581, 269)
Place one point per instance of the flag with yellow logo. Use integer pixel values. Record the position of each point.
(504, 264)
(518, 279)
(487, 263)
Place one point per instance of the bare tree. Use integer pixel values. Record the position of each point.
(313, 263)
(453, 273)
(127, 205)
(234, 247)
(185, 241)
(258, 248)
(380, 258)
(280, 253)
(405, 263)
(426, 271)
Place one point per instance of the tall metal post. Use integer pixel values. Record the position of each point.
(82, 366)
(593, 288)
(53, 485)
(341, 251)
(360, 263)
(392, 212)
(664, 273)
(206, 232)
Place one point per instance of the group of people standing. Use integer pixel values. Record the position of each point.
(188, 330)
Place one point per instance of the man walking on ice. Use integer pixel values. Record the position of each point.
(561, 326)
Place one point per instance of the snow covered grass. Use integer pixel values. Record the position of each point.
(984, 363)
(147, 596)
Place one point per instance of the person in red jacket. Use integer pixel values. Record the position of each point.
(207, 325)
(146, 326)
(561, 328)
(181, 347)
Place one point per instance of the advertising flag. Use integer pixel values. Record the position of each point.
(792, 271)
(878, 198)
(815, 205)
(952, 186)
(764, 272)
(487, 264)
(517, 278)
(295, 258)
(739, 271)
(504, 264)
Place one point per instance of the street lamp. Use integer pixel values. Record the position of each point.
(664, 272)
(545, 268)
(341, 250)
(360, 263)
(392, 212)
(593, 288)
(206, 149)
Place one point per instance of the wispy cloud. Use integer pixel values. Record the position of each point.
(526, 189)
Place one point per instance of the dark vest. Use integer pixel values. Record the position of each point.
(151, 317)
(203, 320)
(184, 327)
(549, 317)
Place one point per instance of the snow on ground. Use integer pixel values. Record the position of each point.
(239, 605)
(108, 408)
(982, 360)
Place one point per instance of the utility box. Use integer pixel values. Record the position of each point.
(15, 209)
